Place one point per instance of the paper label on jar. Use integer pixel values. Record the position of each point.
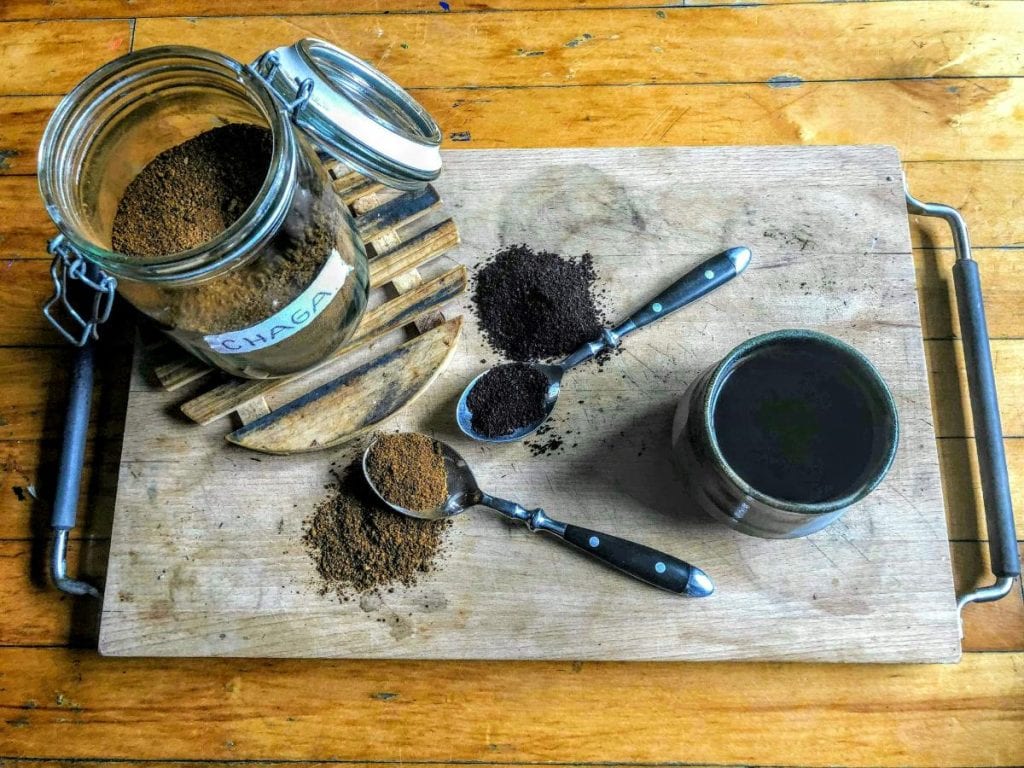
(290, 320)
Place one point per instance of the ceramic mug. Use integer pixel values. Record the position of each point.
(786, 433)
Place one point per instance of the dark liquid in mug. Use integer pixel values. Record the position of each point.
(796, 423)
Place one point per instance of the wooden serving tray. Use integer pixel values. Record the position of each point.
(206, 558)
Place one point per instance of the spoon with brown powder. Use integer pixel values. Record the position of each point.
(440, 463)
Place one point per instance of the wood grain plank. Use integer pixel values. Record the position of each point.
(937, 119)
(952, 119)
(76, 705)
(997, 626)
(61, 53)
(691, 45)
(99, 763)
(961, 486)
(35, 388)
(990, 206)
(950, 405)
(42, 616)
(22, 119)
(26, 226)
(96, 9)
(1002, 280)
(28, 475)
(27, 285)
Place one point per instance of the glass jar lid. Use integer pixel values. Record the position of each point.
(354, 112)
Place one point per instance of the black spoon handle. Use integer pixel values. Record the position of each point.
(695, 284)
(649, 565)
(644, 563)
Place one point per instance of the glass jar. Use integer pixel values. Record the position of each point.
(286, 284)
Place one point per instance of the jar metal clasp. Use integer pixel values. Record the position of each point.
(69, 266)
(265, 67)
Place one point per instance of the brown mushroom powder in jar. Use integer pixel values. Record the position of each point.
(278, 310)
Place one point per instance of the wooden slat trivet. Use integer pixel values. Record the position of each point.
(385, 218)
(353, 185)
(386, 241)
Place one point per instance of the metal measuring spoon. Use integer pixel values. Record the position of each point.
(695, 284)
(649, 565)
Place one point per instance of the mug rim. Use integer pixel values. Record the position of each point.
(872, 378)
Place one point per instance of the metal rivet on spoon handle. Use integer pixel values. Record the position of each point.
(644, 563)
(695, 284)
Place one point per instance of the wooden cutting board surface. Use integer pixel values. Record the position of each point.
(207, 560)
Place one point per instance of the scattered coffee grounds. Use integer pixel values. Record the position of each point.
(507, 398)
(535, 305)
(191, 193)
(546, 442)
(408, 471)
(359, 545)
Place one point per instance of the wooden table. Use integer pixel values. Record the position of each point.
(943, 80)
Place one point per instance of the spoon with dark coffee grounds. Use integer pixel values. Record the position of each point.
(644, 563)
(510, 401)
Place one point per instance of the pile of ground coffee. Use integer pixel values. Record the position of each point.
(535, 305)
(507, 398)
(407, 469)
(191, 193)
(360, 545)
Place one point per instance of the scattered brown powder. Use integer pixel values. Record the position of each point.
(359, 545)
(408, 470)
(191, 193)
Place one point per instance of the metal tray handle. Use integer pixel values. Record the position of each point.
(81, 332)
(988, 431)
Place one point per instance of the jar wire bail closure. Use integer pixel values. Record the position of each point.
(69, 265)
